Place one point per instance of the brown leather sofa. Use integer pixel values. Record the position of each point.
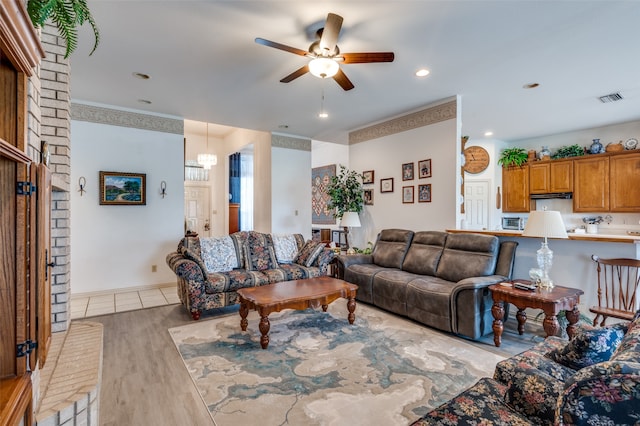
(436, 278)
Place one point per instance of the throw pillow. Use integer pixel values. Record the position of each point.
(286, 247)
(258, 252)
(590, 346)
(219, 254)
(309, 253)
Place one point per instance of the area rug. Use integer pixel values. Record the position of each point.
(320, 370)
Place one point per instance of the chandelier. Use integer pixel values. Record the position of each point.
(207, 160)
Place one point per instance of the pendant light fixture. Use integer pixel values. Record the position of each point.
(207, 160)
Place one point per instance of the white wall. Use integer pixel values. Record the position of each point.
(114, 247)
(291, 191)
(385, 157)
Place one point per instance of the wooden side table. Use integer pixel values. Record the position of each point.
(551, 301)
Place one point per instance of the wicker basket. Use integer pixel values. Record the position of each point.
(614, 147)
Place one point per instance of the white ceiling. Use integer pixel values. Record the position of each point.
(205, 66)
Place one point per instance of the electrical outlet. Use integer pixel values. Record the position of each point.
(154, 268)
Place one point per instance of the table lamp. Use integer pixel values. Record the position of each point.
(546, 224)
(349, 219)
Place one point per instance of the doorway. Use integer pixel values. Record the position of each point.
(476, 203)
(197, 205)
(241, 190)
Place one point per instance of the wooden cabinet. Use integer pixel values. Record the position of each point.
(551, 176)
(515, 189)
(591, 184)
(624, 187)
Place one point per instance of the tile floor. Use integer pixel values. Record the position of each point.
(90, 306)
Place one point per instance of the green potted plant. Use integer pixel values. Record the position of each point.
(569, 151)
(67, 15)
(513, 157)
(346, 192)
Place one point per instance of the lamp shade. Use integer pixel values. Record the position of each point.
(323, 67)
(545, 223)
(350, 219)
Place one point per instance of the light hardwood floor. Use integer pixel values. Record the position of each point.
(144, 381)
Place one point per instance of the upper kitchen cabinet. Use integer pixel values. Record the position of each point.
(515, 189)
(591, 184)
(551, 176)
(624, 193)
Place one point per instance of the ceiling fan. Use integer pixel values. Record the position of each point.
(325, 55)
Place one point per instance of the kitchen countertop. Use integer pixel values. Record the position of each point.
(605, 235)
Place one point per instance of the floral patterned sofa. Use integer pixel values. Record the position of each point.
(592, 380)
(210, 270)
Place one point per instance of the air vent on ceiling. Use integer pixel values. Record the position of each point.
(613, 97)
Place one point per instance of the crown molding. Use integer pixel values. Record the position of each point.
(289, 142)
(115, 117)
(425, 117)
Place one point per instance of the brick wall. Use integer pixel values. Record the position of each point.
(55, 129)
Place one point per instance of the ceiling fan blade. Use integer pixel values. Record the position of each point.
(281, 46)
(297, 73)
(366, 57)
(342, 79)
(330, 33)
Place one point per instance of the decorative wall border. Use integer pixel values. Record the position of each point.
(101, 115)
(425, 117)
(282, 141)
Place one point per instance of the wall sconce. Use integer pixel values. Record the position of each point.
(163, 188)
(82, 182)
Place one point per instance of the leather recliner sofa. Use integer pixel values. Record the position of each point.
(437, 278)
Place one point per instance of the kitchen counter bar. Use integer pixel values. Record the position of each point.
(600, 237)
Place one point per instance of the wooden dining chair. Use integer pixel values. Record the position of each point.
(618, 282)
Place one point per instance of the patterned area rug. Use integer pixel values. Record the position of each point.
(319, 370)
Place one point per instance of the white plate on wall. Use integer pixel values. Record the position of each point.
(631, 143)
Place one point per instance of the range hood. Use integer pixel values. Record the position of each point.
(550, 195)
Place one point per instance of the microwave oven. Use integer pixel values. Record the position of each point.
(514, 223)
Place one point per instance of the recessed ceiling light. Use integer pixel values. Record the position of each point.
(423, 72)
(144, 101)
(141, 76)
(489, 133)
(531, 85)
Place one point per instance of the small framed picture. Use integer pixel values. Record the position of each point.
(407, 171)
(367, 177)
(424, 168)
(407, 194)
(424, 193)
(124, 189)
(386, 185)
(368, 197)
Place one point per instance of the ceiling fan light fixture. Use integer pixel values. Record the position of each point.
(323, 67)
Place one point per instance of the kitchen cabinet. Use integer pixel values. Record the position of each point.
(551, 176)
(515, 189)
(591, 184)
(624, 192)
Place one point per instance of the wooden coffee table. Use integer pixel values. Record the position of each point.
(551, 301)
(297, 294)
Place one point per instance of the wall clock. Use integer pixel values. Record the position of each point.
(476, 159)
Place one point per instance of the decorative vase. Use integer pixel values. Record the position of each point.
(544, 152)
(596, 147)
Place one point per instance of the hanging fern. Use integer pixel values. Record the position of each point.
(67, 15)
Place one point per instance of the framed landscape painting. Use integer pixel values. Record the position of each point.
(123, 189)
